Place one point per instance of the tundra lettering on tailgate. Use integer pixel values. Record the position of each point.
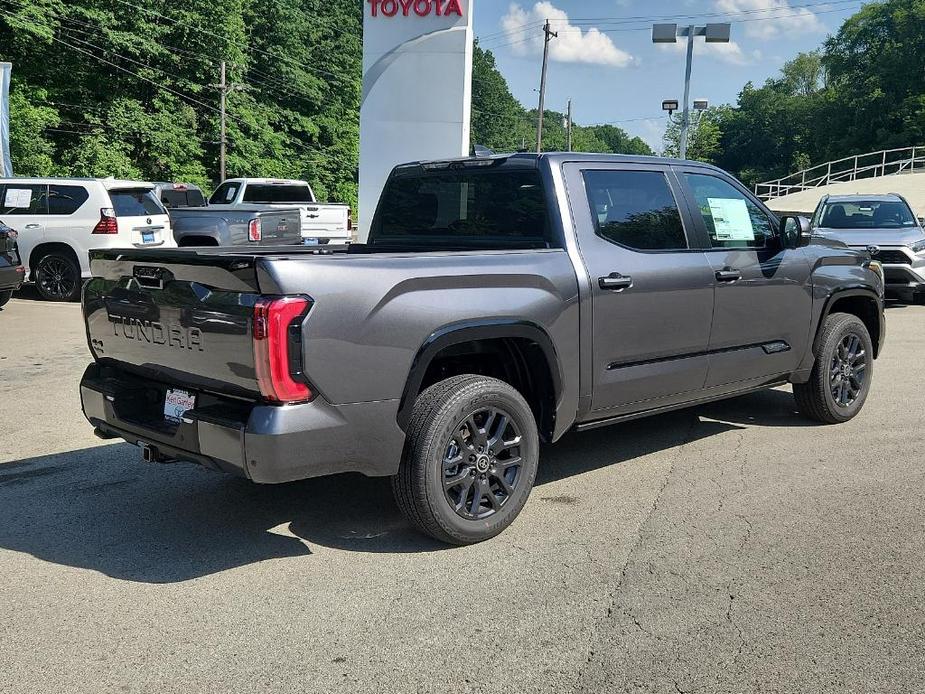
(156, 333)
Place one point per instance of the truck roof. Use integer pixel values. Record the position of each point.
(268, 181)
(532, 159)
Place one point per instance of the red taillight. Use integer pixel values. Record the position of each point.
(107, 223)
(254, 230)
(277, 350)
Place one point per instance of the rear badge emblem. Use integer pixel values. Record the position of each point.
(148, 220)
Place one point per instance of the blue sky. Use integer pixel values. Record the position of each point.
(605, 62)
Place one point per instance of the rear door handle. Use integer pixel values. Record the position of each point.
(728, 275)
(615, 282)
(32, 226)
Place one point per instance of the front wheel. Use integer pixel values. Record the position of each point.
(470, 459)
(57, 277)
(841, 377)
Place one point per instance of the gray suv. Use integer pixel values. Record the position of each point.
(497, 303)
(885, 227)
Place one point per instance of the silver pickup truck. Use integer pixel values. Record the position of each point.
(498, 303)
(222, 225)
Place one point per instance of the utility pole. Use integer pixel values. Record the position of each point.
(569, 125)
(686, 114)
(223, 88)
(547, 35)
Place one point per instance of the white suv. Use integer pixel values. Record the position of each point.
(60, 220)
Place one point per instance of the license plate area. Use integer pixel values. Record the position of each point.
(147, 237)
(177, 403)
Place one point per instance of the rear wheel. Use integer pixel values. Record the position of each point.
(57, 277)
(5, 297)
(470, 459)
(841, 376)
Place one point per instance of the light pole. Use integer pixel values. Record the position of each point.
(669, 33)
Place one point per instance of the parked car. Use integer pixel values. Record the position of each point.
(61, 219)
(886, 227)
(322, 223)
(179, 195)
(236, 226)
(11, 270)
(499, 302)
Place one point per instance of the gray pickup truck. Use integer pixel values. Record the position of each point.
(498, 302)
(223, 225)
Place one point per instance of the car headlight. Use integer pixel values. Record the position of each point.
(918, 247)
(876, 266)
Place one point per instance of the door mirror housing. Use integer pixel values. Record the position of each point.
(795, 231)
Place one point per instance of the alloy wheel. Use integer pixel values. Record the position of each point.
(482, 463)
(848, 370)
(56, 278)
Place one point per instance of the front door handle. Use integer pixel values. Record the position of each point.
(728, 275)
(615, 282)
(32, 226)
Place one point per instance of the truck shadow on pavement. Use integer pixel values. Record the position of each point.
(104, 510)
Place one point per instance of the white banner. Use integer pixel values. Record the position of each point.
(417, 89)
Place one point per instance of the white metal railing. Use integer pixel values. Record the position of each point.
(886, 162)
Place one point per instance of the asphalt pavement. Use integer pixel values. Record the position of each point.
(734, 547)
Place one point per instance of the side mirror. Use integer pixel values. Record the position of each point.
(795, 231)
(922, 221)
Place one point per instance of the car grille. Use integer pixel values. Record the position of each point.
(888, 257)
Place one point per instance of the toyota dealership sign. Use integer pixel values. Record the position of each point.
(417, 88)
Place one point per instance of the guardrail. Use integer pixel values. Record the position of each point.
(886, 162)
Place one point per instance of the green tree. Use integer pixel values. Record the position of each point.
(704, 136)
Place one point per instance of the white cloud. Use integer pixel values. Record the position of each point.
(730, 53)
(573, 44)
(777, 17)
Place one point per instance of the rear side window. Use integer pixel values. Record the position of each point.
(273, 193)
(732, 219)
(21, 199)
(635, 209)
(462, 209)
(135, 202)
(64, 200)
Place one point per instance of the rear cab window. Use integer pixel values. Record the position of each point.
(135, 202)
(488, 207)
(267, 193)
(182, 198)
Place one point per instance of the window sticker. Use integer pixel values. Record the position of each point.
(731, 219)
(229, 196)
(18, 198)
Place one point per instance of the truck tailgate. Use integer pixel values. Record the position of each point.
(177, 316)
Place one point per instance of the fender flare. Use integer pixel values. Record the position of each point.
(470, 331)
(846, 293)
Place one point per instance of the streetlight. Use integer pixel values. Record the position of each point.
(669, 33)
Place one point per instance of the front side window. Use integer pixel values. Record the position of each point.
(635, 209)
(732, 219)
(135, 202)
(225, 194)
(64, 200)
(20, 199)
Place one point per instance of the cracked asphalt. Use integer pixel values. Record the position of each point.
(734, 547)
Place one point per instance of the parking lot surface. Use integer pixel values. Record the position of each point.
(734, 547)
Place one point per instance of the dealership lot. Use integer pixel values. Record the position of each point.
(734, 547)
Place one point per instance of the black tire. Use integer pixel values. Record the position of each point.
(840, 381)
(57, 277)
(5, 297)
(440, 431)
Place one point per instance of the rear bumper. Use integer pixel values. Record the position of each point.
(266, 444)
(11, 276)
